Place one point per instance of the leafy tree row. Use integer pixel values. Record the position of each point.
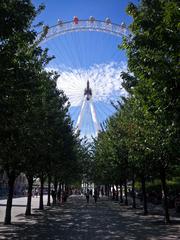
(142, 139)
(37, 136)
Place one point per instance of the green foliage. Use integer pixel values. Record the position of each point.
(143, 138)
(174, 186)
(153, 59)
(155, 186)
(36, 131)
(19, 68)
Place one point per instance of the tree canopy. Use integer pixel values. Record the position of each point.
(144, 134)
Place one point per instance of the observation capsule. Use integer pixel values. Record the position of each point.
(91, 19)
(123, 25)
(60, 22)
(108, 21)
(75, 20)
(45, 29)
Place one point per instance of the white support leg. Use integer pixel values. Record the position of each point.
(79, 120)
(94, 117)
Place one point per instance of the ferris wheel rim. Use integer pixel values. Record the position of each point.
(64, 28)
(82, 26)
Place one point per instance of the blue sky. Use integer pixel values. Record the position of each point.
(83, 56)
(100, 9)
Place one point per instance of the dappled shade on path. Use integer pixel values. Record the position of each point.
(77, 220)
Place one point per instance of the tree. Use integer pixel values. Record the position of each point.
(19, 58)
(153, 50)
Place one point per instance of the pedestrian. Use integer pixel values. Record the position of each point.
(87, 196)
(64, 196)
(36, 192)
(53, 194)
(95, 195)
(102, 192)
(59, 195)
(33, 193)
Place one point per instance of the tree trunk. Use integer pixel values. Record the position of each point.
(49, 191)
(41, 205)
(29, 197)
(117, 193)
(11, 181)
(125, 192)
(108, 190)
(113, 196)
(121, 193)
(59, 193)
(143, 182)
(55, 188)
(165, 196)
(133, 194)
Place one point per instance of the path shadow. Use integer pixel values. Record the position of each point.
(78, 221)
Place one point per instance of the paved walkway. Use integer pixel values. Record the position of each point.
(76, 220)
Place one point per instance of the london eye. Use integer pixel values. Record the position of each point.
(89, 64)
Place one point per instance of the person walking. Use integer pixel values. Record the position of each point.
(95, 195)
(53, 194)
(87, 196)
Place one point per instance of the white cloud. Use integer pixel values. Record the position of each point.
(105, 82)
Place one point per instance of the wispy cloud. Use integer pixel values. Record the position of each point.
(106, 85)
(105, 82)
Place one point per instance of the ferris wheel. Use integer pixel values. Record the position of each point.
(89, 64)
